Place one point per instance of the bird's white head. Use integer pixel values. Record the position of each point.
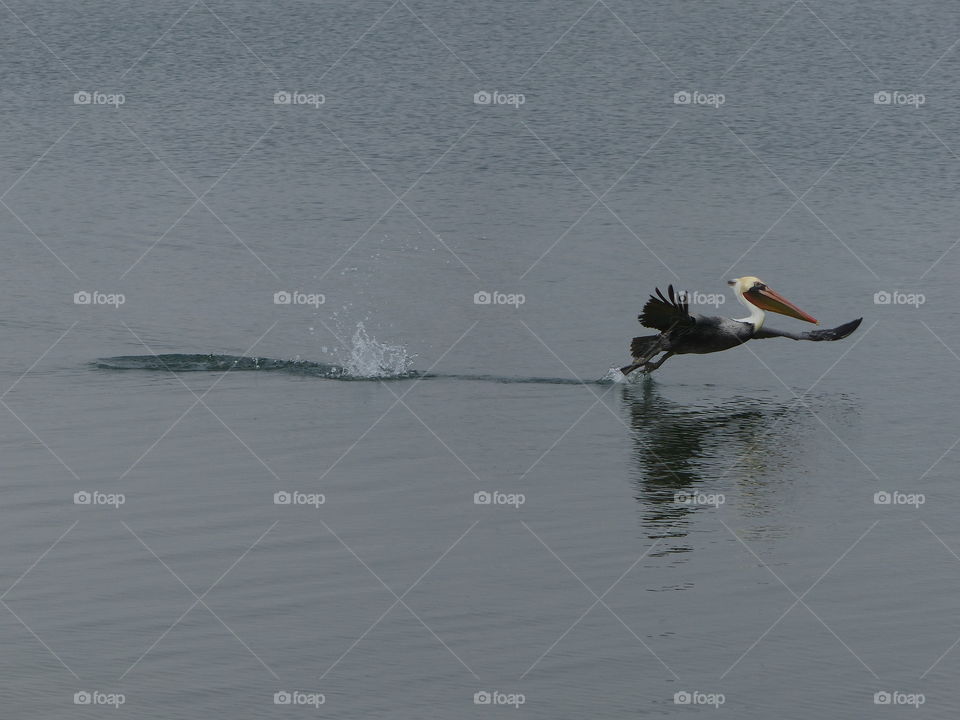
(757, 296)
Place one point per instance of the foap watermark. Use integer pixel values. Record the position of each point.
(495, 697)
(115, 300)
(897, 297)
(896, 697)
(695, 97)
(95, 697)
(486, 97)
(83, 97)
(282, 297)
(297, 697)
(695, 697)
(496, 297)
(514, 500)
(686, 497)
(698, 298)
(895, 97)
(896, 497)
(299, 498)
(95, 497)
(282, 97)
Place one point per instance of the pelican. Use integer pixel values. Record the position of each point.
(681, 332)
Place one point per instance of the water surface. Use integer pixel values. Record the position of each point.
(784, 586)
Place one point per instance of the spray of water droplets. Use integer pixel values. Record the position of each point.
(368, 358)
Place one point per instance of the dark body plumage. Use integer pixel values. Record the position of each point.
(682, 332)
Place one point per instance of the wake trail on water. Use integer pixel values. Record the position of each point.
(366, 359)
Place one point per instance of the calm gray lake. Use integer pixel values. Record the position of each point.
(302, 209)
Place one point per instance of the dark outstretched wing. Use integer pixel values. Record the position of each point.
(837, 333)
(663, 313)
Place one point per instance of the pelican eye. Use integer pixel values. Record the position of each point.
(759, 286)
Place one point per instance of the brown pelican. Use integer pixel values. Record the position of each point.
(681, 332)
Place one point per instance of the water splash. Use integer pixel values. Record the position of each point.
(369, 358)
(613, 375)
(365, 359)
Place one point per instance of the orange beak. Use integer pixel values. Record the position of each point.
(767, 299)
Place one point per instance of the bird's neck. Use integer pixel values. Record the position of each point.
(756, 315)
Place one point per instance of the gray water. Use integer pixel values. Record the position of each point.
(397, 399)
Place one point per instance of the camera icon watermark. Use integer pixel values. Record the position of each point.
(84, 97)
(698, 298)
(514, 500)
(896, 697)
(299, 498)
(897, 297)
(896, 497)
(695, 697)
(95, 697)
(297, 697)
(495, 97)
(495, 697)
(114, 300)
(283, 97)
(695, 97)
(686, 497)
(95, 497)
(895, 97)
(482, 297)
(283, 297)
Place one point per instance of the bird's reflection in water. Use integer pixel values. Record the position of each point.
(700, 449)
